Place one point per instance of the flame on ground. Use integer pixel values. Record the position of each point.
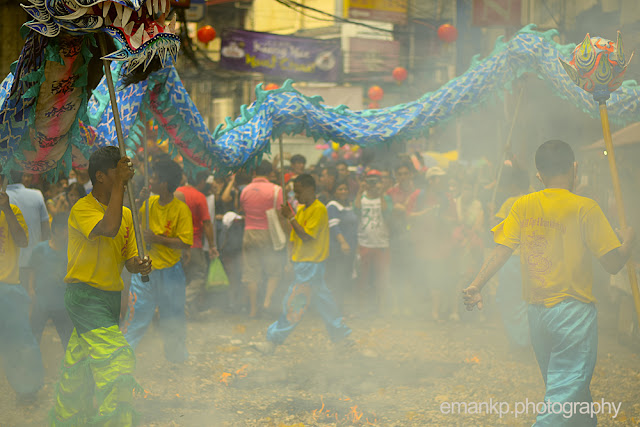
(224, 378)
(473, 359)
(354, 416)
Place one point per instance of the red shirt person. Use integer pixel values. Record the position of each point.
(195, 265)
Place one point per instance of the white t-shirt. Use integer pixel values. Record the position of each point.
(373, 231)
(34, 210)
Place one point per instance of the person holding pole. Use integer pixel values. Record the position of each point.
(310, 249)
(168, 231)
(557, 231)
(98, 361)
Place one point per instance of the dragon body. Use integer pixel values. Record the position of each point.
(43, 101)
(163, 98)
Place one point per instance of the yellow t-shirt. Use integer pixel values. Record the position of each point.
(9, 252)
(170, 220)
(98, 261)
(315, 221)
(556, 230)
(503, 212)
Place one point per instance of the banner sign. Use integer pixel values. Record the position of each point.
(503, 13)
(372, 56)
(283, 56)
(393, 11)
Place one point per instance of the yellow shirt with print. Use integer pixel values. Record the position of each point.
(98, 261)
(171, 220)
(503, 212)
(9, 251)
(315, 221)
(557, 232)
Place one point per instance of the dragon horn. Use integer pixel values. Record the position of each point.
(620, 50)
(571, 70)
(585, 55)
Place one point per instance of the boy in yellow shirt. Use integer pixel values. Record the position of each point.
(19, 348)
(310, 249)
(170, 231)
(558, 232)
(98, 360)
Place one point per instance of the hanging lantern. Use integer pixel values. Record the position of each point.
(400, 74)
(375, 93)
(335, 146)
(447, 33)
(374, 105)
(271, 86)
(206, 34)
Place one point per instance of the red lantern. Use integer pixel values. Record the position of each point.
(271, 86)
(375, 93)
(206, 34)
(374, 105)
(447, 33)
(400, 74)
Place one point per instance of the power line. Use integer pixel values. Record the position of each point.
(291, 4)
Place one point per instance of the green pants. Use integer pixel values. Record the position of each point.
(96, 385)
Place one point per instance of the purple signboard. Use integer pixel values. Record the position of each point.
(297, 58)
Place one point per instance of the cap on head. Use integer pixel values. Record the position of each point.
(434, 171)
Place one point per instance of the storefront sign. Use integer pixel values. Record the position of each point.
(283, 56)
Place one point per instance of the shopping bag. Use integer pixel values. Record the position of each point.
(217, 278)
(278, 238)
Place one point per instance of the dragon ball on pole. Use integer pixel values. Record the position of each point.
(598, 66)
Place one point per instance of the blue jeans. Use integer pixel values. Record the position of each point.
(166, 291)
(513, 309)
(19, 349)
(308, 288)
(565, 341)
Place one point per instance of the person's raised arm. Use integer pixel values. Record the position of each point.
(226, 194)
(287, 212)
(109, 225)
(15, 229)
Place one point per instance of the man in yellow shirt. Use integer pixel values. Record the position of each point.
(99, 362)
(19, 348)
(170, 231)
(310, 249)
(558, 232)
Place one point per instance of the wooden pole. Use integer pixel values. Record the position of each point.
(146, 171)
(5, 181)
(617, 191)
(123, 153)
(281, 166)
(506, 149)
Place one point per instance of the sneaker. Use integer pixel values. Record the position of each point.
(264, 347)
(346, 344)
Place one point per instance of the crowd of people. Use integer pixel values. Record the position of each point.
(369, 240)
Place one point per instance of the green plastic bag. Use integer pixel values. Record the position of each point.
(217, 279)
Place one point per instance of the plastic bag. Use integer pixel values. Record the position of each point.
(217, 278)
